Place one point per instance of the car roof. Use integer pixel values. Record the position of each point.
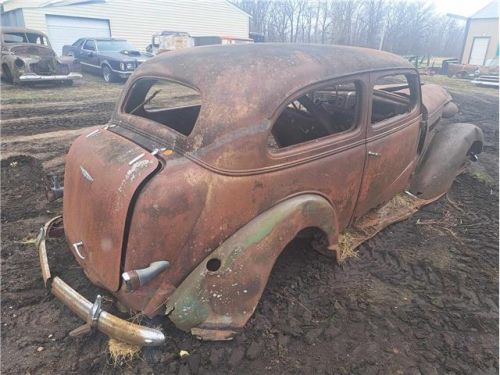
(242, 86)
(94, 38)
(9, 29)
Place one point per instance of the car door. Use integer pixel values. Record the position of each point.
(88, 55)
(317, 143)
(392, 137)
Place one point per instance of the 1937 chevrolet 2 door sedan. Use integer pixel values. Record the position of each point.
(216, 157)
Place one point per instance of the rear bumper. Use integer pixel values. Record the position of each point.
(105, 322)
(32, 77)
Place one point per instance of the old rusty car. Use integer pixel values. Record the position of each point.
(217, 157)
(28, 57)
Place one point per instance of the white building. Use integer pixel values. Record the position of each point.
(65, 21)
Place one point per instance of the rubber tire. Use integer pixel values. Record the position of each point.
(6, 76)
(107, 74)
(461, 75)
(67, 83)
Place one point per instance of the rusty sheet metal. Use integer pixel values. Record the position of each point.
(240, 101)
(445, 158)
(197, 210)
(103, 171)
(221, 192)
(221, 294)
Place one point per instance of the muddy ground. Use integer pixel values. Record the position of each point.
(420, 298)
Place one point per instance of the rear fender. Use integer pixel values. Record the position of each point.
(221, 294)
(445, 158)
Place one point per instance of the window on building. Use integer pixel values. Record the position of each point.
(393, 95)
(169, 103)
(324, 111)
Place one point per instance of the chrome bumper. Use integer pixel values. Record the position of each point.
(32, 77)
(94, 317)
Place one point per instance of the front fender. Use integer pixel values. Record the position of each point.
(445, 158)
(221, 294)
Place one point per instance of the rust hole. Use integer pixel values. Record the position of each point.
(213, 264)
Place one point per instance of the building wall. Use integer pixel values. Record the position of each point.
(136, 21)
(13, 18)
(487, 27)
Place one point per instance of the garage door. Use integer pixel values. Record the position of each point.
(66, 30)
(478, 51)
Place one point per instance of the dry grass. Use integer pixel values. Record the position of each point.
(347, 245)
(122, 353)
(462, 86)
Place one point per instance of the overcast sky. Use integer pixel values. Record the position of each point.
(461, 7)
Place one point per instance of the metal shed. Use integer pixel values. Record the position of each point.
(67, 20)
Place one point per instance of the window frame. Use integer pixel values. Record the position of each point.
(336, 141)
(122, 108)
(398, 120)
(89, 50)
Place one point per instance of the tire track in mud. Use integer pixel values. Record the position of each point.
(41, 110)
(42, 124)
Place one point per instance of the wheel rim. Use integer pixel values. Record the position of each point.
(106, 73)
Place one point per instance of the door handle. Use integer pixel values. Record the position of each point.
(373, 154)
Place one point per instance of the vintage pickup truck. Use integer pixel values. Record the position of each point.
(217, 157)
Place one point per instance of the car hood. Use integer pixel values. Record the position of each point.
(128, 55)
(31, 50)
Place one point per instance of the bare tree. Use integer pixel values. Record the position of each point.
(410, 26)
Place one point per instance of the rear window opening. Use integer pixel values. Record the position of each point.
(169, 103)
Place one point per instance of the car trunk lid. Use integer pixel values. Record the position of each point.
(102, 175)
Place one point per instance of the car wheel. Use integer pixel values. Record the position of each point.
(6, 75)
(461, 75)
(107, 74)
(67, 83)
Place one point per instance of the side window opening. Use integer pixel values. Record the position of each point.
(393, 95)
(89, 45)
(169, 103)
(327, 110)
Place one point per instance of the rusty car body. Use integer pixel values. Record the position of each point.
(184, 211)
(471, 71)
(28, 57)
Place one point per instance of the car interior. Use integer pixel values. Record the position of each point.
(317, 114)
(334, 109)
(168, 103)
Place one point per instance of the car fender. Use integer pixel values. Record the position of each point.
(445, 158)
(219, 296)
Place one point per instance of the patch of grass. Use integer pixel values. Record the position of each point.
(481, 176)
(463, 86)
(89, 87)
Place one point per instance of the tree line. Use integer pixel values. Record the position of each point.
(405, 27)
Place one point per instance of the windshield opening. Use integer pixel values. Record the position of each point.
(113, 45)
(20, 37)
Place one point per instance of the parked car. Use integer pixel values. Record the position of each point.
(27, 56)
(215, 158)
(472, 71)
(114, 59)
(169, 41)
